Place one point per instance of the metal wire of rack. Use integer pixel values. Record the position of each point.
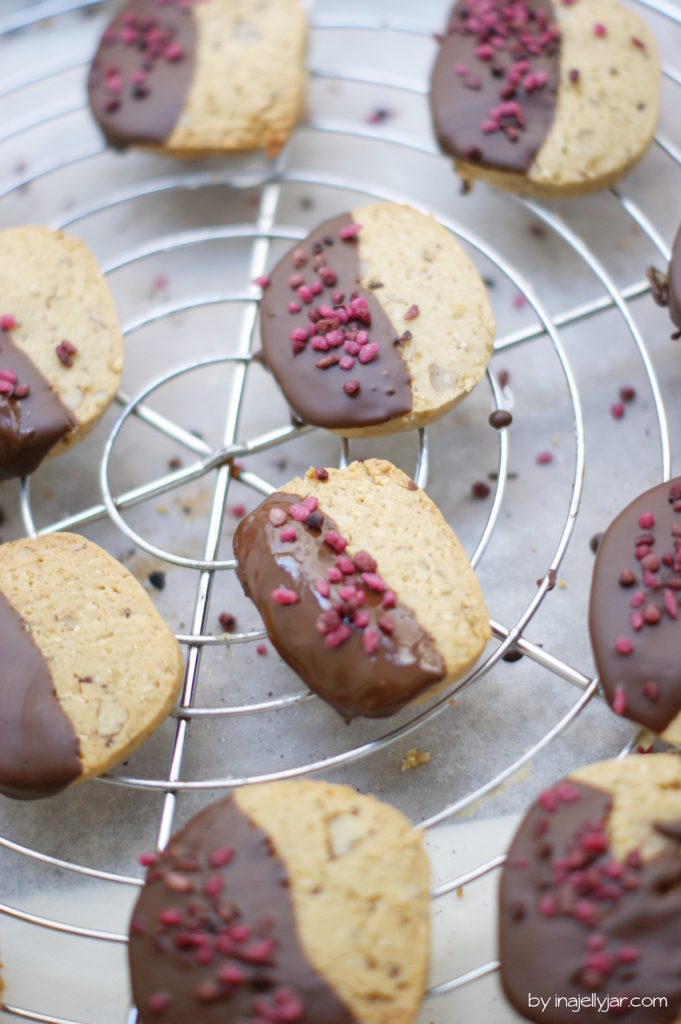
(225, 462)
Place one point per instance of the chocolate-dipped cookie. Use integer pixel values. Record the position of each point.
(89, 668)
(634, 611)
(61, 350)
(291, 902)
(378, 322)
(542, 98)
(666, 288)
(362, 586)
(193, 77)
(590, 897)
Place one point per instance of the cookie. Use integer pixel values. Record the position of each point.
(291, 901)
(666, 288)
(362, 586)
(89, 668)
(590, 897)
(634, 611)
(545, 99)
(378, 322)
(61, 350)
(196, 77)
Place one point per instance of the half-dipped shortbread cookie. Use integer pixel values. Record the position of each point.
(542, 98)
(634, 611)
(377, 322)
(291, 902)
(590, 897)
(666, 289)
(61, 350)
(362, 586)
(193, 77)
(89, 667)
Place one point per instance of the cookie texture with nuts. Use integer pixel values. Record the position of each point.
(205, 77)
(291, 901)
(378, 322)
(545, 99)
(590, 896)
(363, 588)
(61, 350)
(634, 611)
(90, 668)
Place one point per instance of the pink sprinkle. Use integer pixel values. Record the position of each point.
(623, 645)
(240, 932)
(548, 800)
(295, 280)
(299, 512)
(334, 574)
(319, 343)
(628, 954)
(544, 458)
(619, 703)
(462, 70)
(351, 387)
(229, 974)
(221, 857)
(646, 520)
(671, 605)
(595, 942)
(585, 911)
(323, 587)
(361, 620)
(566, 792)
(8, 375)
(305, 294)
(371, 641)
(347, 591)
(335, 541)
(239, 511)
(368, 352)
(373, 581)
(546, 906)
(350, 231)
(310, 503)
(636, 619)
(298, 334)
(386, 624)
(346, 565)
(173, 52)
(213, 885)
(299, 258)
(294, 307)
(138, 78)
(5, 387)
(7, 322)
(147, 859)
(650, 579)
(337, 637)
(617, 411)
(259, 952)
(347, 362)
(277, 516)
(637, 599)
(262, 282)
(651, 690)
(284, 596)
(261, 650)
(170, 917)
(519, 301)
(652, 615)
(389, 599)
(600, 30)
(364, 562)
(316, 288)
(288, 535)
(158, 1003)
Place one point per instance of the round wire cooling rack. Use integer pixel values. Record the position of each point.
(266, 206)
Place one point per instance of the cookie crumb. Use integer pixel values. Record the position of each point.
(414, 758)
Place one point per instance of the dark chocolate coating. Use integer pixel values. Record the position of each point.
(353, 682)
(31, 426)
(39, 750)
(143, 112)
(546, 956)
(317, 395)
(459, 111)
(656, 647)
(252, 890)
(675, 282)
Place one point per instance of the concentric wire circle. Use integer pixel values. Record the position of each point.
(273, 180)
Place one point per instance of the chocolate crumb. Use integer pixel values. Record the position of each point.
(595, 541)
(227, 622)
(500, 418)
